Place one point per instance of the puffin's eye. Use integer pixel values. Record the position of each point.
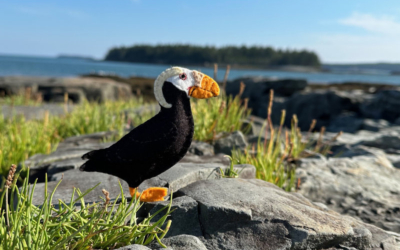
(183, 76)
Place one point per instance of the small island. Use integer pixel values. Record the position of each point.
(239, 57)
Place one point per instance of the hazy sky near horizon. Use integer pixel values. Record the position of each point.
(340, 31)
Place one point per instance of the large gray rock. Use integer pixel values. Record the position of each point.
(185, 214)
(257, 92)
(78, 88)
(83, 180)
(257, 86)
(225, 145)
(201, 148)
(366, 187)
(253, 214)
(322, 105)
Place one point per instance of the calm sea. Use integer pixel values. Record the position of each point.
(55, 67)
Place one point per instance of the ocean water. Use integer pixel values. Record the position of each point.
(57, 67)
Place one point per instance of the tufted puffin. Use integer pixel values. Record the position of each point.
(161, 142)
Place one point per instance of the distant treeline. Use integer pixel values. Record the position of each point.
(262, 57)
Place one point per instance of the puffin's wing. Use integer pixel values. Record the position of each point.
(140, 145)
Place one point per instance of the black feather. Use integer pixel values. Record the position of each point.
(152, 147)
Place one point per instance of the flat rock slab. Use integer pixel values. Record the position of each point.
(179, 176)
(366, 187)
(83, 180)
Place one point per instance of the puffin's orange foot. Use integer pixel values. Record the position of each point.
(151, 194)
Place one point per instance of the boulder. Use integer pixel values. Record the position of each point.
(201, 148)
(257, 86)
(257, 92)
(322, 105)
(185, 213)
(78, 88)
(225, 145)
(253, 214)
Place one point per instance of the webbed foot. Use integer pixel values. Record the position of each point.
(151, 194)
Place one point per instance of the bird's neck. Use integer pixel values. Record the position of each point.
(180, 111)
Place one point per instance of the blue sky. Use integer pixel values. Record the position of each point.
(338, 30)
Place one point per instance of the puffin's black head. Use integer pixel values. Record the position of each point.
(177, 82)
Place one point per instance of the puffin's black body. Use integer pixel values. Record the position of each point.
(151, 148)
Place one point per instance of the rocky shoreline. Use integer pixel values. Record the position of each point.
(344, 202)
(349, 199)
(338, 107)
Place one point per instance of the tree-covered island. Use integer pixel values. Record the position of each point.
(254, 56)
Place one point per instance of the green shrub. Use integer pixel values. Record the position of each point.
(218, 115)
(275, 156)
(92, 226)
(271, 157)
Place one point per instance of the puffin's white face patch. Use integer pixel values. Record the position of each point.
(185, 80)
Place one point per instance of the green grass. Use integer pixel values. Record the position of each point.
(217, 115)
(271, 157)
(275, 156)
(20, 139)
(230, 172)
(104, 225)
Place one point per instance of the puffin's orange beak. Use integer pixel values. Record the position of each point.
(205, 87)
